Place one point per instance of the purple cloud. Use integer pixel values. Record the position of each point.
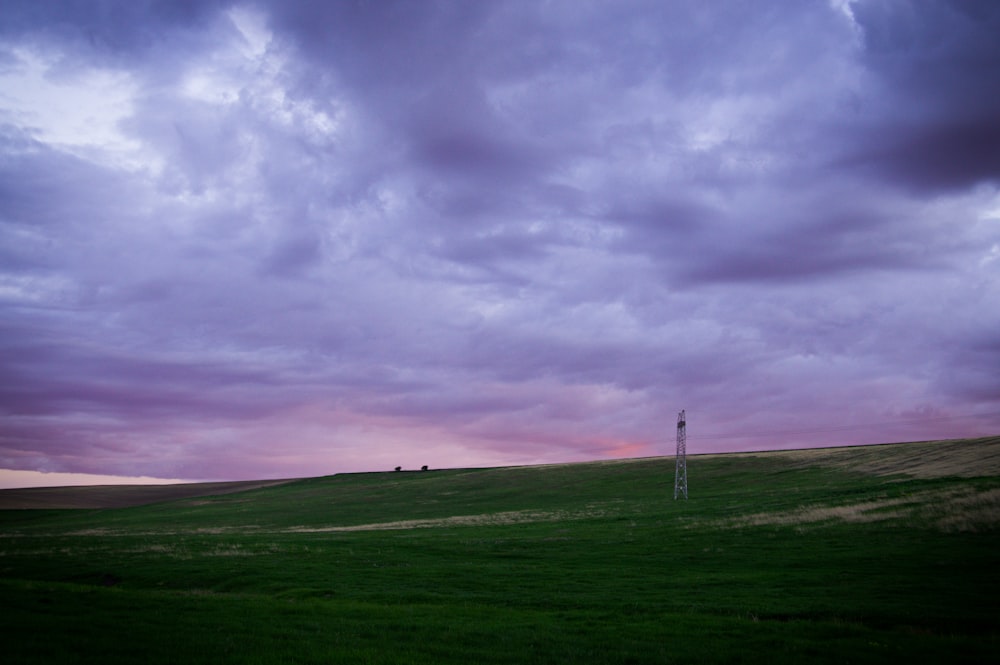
(270, 239)
(934, 124)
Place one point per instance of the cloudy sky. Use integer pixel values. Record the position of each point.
(280, 238)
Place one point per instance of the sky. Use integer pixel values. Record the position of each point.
(284, 238)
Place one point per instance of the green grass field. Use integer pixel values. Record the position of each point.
(854, 555)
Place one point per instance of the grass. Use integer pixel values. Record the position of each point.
(118, 496)
(848, 555)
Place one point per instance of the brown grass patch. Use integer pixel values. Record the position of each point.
(868, 511)
(966, 458)
(952, 510)
(977, 511)
(487, 519)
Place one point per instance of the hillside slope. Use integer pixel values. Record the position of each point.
(856, 555)
(927, 459)
(118, 496)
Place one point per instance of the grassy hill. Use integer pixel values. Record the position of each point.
(118, 496)
(863, 554)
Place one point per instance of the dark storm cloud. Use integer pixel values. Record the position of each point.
(937, 115)
(336, 234)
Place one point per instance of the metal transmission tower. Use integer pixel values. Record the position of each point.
(681, 472)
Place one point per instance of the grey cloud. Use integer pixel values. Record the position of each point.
(940, 156)
(779, 237)
(119, 29)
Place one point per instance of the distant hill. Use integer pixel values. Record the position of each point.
(924, 459)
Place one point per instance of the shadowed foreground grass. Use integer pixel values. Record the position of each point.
(776, 558)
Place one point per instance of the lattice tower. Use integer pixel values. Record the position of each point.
(681, 471)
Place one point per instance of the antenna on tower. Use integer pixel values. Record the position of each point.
(681, 472)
